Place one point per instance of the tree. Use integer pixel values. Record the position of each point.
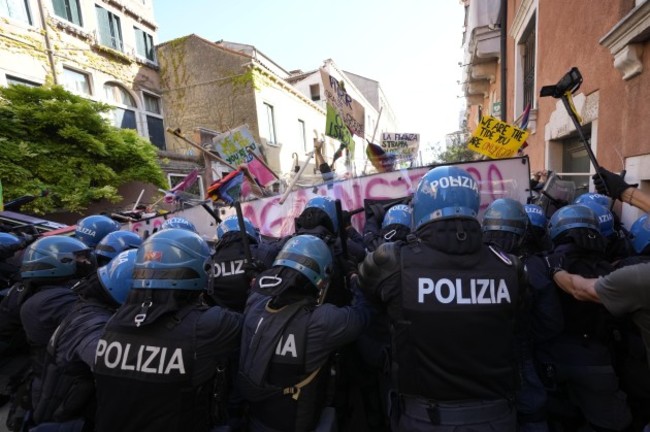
(455, 149)
(51, 139)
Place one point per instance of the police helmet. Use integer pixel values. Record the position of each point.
(603, 200)
(116, 276)
(174, 258)
(92, 229)
(7, 239)
(570, 217)
(640, 235)
(231, 224)
(445, 192)
(399, 214)
(536, 216)
(605, 217)
(320, 210)
(178, 222)
(57, 256)
(114, 243)
(505, 214)
(310, 256)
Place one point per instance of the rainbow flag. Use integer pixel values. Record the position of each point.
(382, 161)
(228, 189)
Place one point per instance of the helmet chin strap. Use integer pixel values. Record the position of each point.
(322, 292)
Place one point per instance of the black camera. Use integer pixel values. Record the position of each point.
(569, 82)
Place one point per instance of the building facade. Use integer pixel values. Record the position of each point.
(507, 65)
(221, 85)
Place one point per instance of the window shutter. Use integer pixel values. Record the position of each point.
(103, 26)
(75, 12)
(59, 8)
(140, 42)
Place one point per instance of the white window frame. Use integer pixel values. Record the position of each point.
(269, 113)
(181, 176)
(89, 80)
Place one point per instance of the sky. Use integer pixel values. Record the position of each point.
(411, 47)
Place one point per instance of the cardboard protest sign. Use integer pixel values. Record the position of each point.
(403, 145)
(350, 111)
(335, 128)
(496, 139)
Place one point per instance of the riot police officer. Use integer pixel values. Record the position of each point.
(51, 267)
(178, 222)
(578, 361)
(114, 243)
(289, 336)
(443, 288)
(232, 273)
(394, 225)
(68, 394)
(157, 358)
(92, 229)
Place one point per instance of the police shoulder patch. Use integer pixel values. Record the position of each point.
(501, 255)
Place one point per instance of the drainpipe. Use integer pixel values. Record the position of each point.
(48, 45)
(503, 44)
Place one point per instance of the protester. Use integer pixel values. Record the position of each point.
(449, 374)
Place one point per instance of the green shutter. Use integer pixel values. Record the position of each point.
(103, 26)
(140, 42)
(59, 8)
(75, 13)
(117, 32)
(151, 55)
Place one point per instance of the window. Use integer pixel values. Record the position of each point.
(302, 134)
(16, 9)
(76, 82)
(69, 10)
(154, 122)
(314, 90)
(528, 60)
(110, 32)
(123, 116)
(144, 44)
(12, 80)
(576, 164)
(270, 122)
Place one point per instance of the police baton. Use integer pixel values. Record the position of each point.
(343, 235)
(243, 235)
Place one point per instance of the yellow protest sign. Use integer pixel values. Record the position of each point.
(496, 139)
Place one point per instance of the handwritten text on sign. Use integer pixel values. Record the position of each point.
(496, 139)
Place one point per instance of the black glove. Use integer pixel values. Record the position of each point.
(254, 268)
(379, 212)
(610, 184)
(350, 267)
(554, 264)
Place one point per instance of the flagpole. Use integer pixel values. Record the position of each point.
(208, 153)
(294, 180)
(372, 139)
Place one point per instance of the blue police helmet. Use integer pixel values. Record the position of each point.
(231, 224)
(536, 216)
(178, 222)
(570, 217)
(603, 200)
(114, 243)
(7, 239)
(640, 234)
(174, 258)
(445, 192)
(310, 256)
(505, 214)
(605, 217)
(328, 205)
(400, 214)
(92, 229)
(117, 275)
(55, 256)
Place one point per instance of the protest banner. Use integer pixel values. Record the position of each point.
(402, 145)
(496, 139)
(350, 111)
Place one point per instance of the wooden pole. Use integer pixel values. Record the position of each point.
(294, 180)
